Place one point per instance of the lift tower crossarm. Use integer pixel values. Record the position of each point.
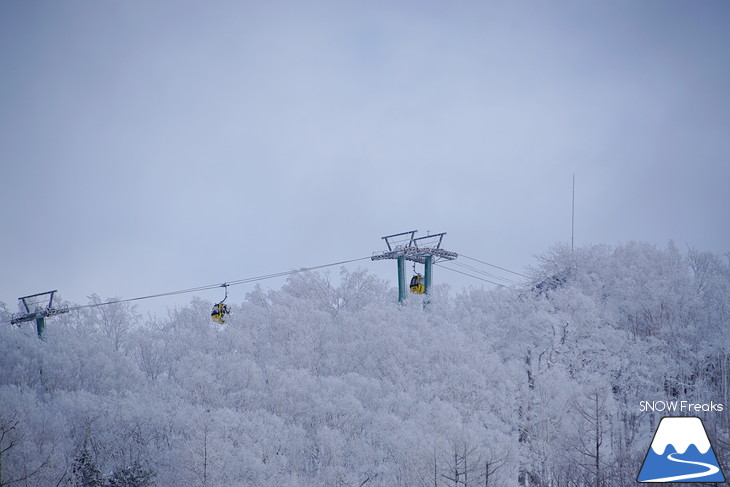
(45, 313)
(439, 235)
(390, 244)
(411, 251)
(417, 254)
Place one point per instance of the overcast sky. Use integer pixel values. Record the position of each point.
(153, 146)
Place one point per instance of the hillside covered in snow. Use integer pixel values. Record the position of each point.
(321, 384)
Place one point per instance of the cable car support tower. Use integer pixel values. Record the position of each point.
(34, 311)
(424, 250)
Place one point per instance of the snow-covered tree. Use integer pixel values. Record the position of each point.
(332, 382)
(133, 476)
(84, 471)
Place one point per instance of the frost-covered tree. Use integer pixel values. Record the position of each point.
(133, 476)
(112, 319)
(84, 471)
(9, 438)
(330, 381)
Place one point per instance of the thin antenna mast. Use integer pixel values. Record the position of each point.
(572, 218)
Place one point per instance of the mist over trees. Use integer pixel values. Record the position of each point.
(317, 384)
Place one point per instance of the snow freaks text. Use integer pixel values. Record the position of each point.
(679, 407)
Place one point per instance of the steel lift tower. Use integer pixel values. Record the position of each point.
(424, 250)
(37, 309)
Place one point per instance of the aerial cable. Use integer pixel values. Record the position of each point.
(214, 286)
(495, 266)
(482, 272)
(229, 283)
(485, 273)
(470, 275)
(293, 271)
(287, 273)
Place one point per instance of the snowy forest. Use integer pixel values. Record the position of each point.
(322, 384)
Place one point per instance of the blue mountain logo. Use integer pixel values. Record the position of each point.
(680, 452)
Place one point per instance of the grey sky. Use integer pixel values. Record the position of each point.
(154, 146)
